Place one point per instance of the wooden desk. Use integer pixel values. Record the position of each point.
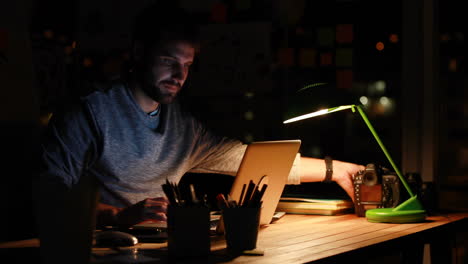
(317, 239)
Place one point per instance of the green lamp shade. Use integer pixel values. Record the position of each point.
(315, 96)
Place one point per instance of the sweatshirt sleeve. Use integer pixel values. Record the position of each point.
(68, 147)
(294, 177)
(219, 155)
(225, 155)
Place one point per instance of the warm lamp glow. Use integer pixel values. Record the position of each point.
(318, 113)
(379, 46)
(410, 210)
(393, 38)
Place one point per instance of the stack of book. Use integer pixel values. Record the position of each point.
(305, 205)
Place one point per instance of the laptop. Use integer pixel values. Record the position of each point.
(273, 159)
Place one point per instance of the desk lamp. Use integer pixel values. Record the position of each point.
(410, 210)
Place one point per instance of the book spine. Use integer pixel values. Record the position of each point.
(311, 206)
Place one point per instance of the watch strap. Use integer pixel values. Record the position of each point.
(329, 169)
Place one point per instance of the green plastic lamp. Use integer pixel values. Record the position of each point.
(409, 211)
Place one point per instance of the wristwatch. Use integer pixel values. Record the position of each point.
(329, 168)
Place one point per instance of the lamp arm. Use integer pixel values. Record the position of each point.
(374, 133)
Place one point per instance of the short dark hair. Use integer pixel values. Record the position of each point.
(162, 22)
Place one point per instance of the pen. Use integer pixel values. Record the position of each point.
(193, 196)
(248, 194)
(169, 194)
(178, 196)
(242, 194)
(222, 203)
(257, 200)
(231, 202)
(262, 191)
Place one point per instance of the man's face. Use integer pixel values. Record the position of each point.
(167, 71)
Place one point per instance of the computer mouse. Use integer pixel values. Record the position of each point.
(111, 238)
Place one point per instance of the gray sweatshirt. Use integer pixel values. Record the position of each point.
(130, 152)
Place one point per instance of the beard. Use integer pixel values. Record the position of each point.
(159, 94)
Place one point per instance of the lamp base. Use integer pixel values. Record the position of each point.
(410, 211)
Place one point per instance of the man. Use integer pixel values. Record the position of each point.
(135, 135)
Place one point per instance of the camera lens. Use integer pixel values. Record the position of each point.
(370, 178)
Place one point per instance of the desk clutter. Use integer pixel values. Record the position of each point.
(189, 220)
(188, 223)
(192, 226)
(241, 218)
(251, 196)
(175, 197)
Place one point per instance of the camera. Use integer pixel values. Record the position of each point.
(375, 187)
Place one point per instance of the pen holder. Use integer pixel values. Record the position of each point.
(188, 231)
(241, 226)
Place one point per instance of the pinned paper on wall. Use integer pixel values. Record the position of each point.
(243, 68)
(307, 57)
(325, 36)
(344, 57)
(286, 56)
(344, 79)
(326, 59)
(344, 33)
(219, 12)
(291, 12)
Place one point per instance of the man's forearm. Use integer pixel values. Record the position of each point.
(312, 169)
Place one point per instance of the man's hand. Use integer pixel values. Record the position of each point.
(148, 209)
(342, 174)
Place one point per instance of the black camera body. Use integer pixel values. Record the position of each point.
(375, 187)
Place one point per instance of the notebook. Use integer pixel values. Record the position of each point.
(273, 159)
